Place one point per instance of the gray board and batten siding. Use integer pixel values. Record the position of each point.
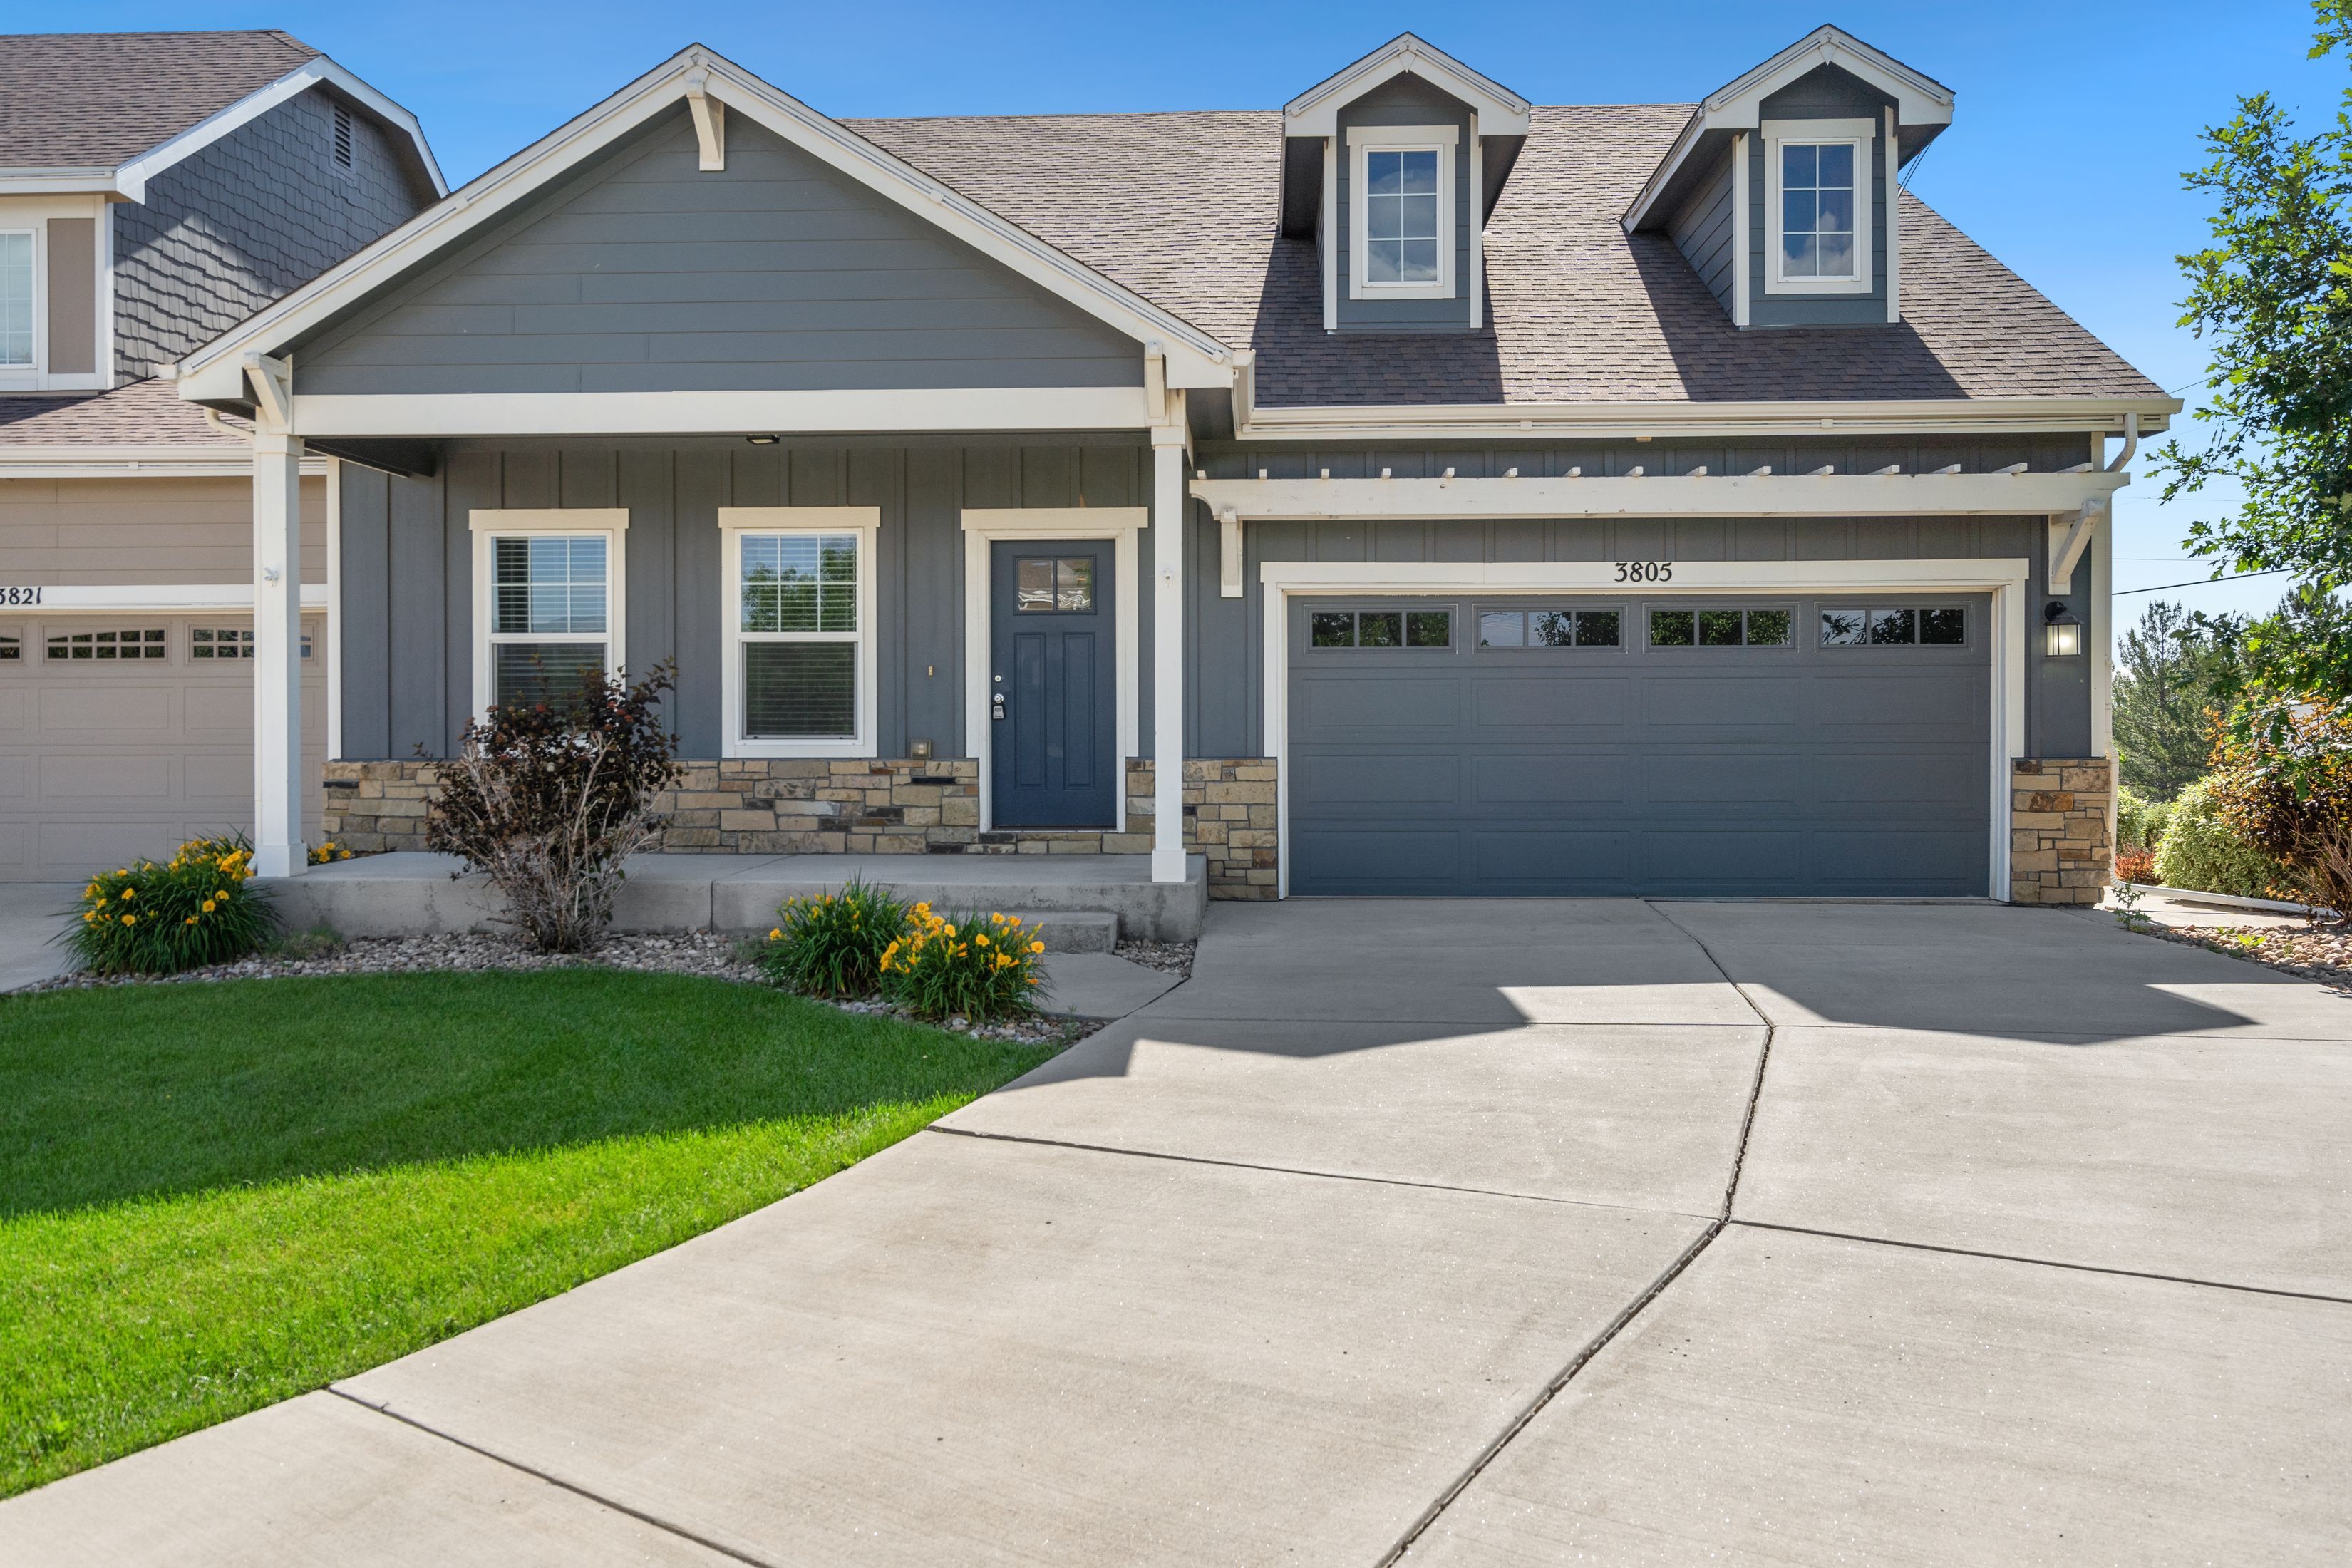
(246, 220)
(640, 272)
(1703, 232)
(407, 564)
(1590, 762)
(1406, 99)
(407, 560)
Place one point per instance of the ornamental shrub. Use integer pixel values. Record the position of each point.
(831, 945)
(2283, 783)
(551, 799)
(2139, 821)
(196, 909)
(980, 968)
(2135, 866)
(2200, 849)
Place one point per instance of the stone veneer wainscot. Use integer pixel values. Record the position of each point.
(2061, 849)
(897, 805)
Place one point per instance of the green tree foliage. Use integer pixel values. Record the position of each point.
(2272, 295)
(2173, 668)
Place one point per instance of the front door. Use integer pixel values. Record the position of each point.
(1050, 719)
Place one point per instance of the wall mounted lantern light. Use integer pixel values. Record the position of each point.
(2062, 634)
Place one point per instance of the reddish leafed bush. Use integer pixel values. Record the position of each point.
(2135, 866)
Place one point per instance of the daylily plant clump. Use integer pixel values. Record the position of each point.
(831, 945)
(981, 968)
(195, 910)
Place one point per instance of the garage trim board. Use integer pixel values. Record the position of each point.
(2003, 579)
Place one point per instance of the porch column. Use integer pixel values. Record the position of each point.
(277, 849)
(1167, 509)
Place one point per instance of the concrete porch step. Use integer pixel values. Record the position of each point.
(1071, 931)
(1095, 898)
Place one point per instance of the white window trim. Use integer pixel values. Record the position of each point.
(28, 377)
(734, 522)
(982, 527)
(2004, 578)
(490, 523)
(1858, 134)
(1441, 139)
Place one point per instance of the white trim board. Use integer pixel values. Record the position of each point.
(1776, 495)
(1611, 421)
(985, 526)
(1315, 111)
(152, 599)
(2004, 578)
(734, 522)
(979, 409)
(215, 371)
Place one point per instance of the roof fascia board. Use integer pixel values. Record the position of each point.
(64, 179)
(213, 372)
(1602, 421)
(131, 179)
(945, 409)
(65, 462)
(1315, 111)
(1737, 105)
(1776, 495)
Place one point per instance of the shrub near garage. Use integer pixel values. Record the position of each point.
(195, 910)
(2200, 849)
(982, 969)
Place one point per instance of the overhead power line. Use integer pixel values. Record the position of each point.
(2201, 582)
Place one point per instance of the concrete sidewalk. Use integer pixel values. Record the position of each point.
(1506, 1232)
(31, 916)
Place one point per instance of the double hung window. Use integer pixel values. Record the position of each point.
(1818, 206)
(800, 678)
(548, 603)
(1403, 231)
(17, 298)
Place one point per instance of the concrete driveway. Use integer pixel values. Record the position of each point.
(31, 915)
(1463, 1233)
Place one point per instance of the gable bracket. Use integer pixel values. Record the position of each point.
(273, 390)
(709, 122)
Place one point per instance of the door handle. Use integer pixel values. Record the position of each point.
(996, 705)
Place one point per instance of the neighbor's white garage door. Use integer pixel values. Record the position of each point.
(124, 735)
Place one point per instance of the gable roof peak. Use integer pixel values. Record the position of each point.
(1315, 112)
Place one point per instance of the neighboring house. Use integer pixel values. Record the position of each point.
(155, 189)
(1483, 498)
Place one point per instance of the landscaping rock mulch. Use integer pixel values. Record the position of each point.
(1168, 957)
(2312, 952)
(701, 953)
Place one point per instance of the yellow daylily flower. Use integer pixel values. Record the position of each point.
(1036, 947)
(130, 920)
(189, 922)
(129, 893)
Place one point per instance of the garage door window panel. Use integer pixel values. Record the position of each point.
(114, 645)
(1893, 625)
(1710, 626)
(1380, 629)
(1504, 629)
(12, 648)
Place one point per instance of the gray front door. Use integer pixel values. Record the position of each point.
(1746, 746)
(1051, 718)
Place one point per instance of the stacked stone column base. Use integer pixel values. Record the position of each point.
(2061, 851)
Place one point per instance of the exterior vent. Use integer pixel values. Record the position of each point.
(342, 138)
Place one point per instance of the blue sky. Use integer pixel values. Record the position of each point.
(2063, 160)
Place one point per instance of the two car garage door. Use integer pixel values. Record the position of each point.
(1791, 746)
(125, 735)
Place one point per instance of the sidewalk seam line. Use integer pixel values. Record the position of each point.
(1302, 1171)
(557, 1481)
(2043, 1262)
(1549, 1391)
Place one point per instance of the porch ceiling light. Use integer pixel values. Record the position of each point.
(2062, 634)
(762, 440)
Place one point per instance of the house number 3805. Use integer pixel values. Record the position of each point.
(1645, 571)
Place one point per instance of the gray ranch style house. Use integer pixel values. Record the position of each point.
(155, 190)
(1410, 490)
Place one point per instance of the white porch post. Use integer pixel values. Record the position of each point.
(276, 654)
(1168, 506)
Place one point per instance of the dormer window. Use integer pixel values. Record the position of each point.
(1403, 237)
(1817, 210)
(16, 298)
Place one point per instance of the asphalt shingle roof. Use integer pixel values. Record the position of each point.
(143, 413)
(1182, 208)
(80, 100)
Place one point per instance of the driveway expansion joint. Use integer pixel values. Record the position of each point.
(2044, 1262)
(1304, 1170)
(664, 1526)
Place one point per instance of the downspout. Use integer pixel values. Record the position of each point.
(2131, 444)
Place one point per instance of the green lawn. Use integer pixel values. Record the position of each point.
(214, 1196)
